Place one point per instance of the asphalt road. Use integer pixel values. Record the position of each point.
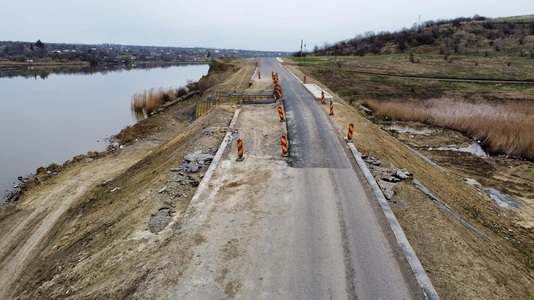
(338, 226)
(305, 231)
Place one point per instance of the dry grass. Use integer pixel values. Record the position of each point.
(148, 101)
(502, 127)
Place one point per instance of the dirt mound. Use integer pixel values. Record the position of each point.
(218, 66)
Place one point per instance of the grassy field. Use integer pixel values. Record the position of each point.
(429, 76)
(430, 65)
(490, 99)
(526, 18)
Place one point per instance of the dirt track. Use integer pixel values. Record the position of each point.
(72, 237)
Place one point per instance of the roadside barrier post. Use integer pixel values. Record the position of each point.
(281, 113)
(323, 100)
(349, 135)
(304, 79)
(283, 142)
(240, 150)
(279, 94)
(331, 108)
(259, 75)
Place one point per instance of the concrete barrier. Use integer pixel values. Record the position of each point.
(315, 91)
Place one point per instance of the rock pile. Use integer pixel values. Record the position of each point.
(186, 177)
(160, 220)
(193, 162)
(386, 178)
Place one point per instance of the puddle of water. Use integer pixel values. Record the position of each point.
(473, 148)
(412, 130)
(501, 199)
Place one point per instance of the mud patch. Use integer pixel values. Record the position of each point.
(230, 250)
(232, 288)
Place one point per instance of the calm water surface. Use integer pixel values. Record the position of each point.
(51, 120)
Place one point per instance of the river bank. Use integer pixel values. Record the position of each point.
(44, 69)
(68, 114)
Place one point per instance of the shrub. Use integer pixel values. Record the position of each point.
(149, 101)
(181, 91)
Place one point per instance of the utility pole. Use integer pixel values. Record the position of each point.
(304, 55)
(301, 43)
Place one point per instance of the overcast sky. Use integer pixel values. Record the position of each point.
(235, 24)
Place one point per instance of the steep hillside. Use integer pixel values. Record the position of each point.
(513, 36)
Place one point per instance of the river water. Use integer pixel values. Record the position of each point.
(53, 118)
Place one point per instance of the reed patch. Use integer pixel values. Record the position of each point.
(505, 127)
(148, 101)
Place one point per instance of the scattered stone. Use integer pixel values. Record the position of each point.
(384, 186)
(388, 194)
(163, 189)
(372, 161)
(401, 175)
(198, 156)
(193, 162)
(194, 183)
(193, 168)
(13, 195)
(105, 182)
(407, 173)
(160, 220)
(386, 178)
(391, 179)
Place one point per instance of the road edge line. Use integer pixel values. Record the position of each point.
(420, 273)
